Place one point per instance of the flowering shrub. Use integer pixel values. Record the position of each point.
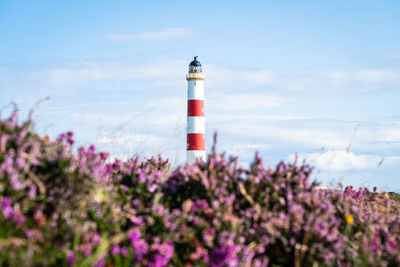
(64, 208)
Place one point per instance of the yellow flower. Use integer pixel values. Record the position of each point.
(349, 219)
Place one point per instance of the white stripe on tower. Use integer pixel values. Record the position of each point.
(195, 145)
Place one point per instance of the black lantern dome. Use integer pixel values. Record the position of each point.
(195, 66)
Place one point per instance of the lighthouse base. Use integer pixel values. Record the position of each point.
(193, 155)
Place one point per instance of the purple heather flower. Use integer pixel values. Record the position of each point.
(136, 203)
(225, 256)
(199, 253)
(140, 248)
(14, 181)
(115, 164)
(21, 163)
(157, 261)
(194, 220)
(96, 239)
(328, 256)
(69, 138)
(3, 140)
(359, 193)
(391, 245)
(13, 118)
(134, 235)
(375, 243)
(160, 209)
(164, 253)
(5, 203)
(124, 188)
(18, 217)
(101, 262)
(137, 220)
(115, 250)
(33, 234)
(208, 236)
(193, 208)
(167, 250)
(70, 257)
(124, 251)
(32, 192)
(88, 250)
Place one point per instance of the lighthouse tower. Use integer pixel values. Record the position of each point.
(195, 117)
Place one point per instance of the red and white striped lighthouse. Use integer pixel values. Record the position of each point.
(195, 147)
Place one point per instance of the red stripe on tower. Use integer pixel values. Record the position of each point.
(195, 141)
(195, 108)
(195, 145)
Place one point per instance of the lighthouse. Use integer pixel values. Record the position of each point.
(195, 145)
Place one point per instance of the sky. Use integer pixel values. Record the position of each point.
(319, 80)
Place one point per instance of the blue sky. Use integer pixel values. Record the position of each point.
(316, 78)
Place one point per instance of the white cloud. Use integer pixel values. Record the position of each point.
(378, 136)
(390, 134)
(286, 134)
(244, 101)
(339, 81)
(298, 134)
(153, 36)
(72, 74)
(257, 118)
(219, 79)
(126, 144)
(375, 76)
(341, 160)
(127, 139)
(235, 79)
(161, 74)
